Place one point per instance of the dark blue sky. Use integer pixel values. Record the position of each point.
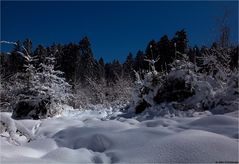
(114, 28)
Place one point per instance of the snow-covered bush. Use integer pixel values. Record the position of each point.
(53, 87)
(224, 82)
(186, 87)
(6, 98)
(227, 98)
(14, 129)
(80, 98)
(96, 92)
(179, 83)
(192, 90)
(41, 91)
(158, 87)
(28, 95)
(118, 93)
(216, 66)
(146, 89)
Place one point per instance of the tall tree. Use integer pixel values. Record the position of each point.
(140, 64)
(101, 65)
(152, 51)
(41, 53)
(181, 40)
(128, 66)
(166, 53)
(88, 64)
(234, 61)
(70, 62)
(27, 44)
(113, 71)
(16, 61)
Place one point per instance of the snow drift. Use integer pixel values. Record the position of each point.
(83, 138)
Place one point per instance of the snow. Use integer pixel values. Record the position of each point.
(93, 136)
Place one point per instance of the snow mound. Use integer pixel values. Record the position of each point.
(66, 155)
(197, 146)
(14, 129)
(217, 120)
(72, 139)
(88, 138)
(220, 124)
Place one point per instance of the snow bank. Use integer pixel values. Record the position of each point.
(220, 124)
(14, 129)
(83, 138)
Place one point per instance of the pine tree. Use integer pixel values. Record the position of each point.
(54, 86)
(40, 92)
(27, 91)
(113, 71)
(40, 53)
(69, 61)
(152, 51)
(139, 63)
(101, 64)
(181, 41)
(88, 65)
(166, 53)
(234, 61)
(16, 61)
(128, 66)
(27, 44)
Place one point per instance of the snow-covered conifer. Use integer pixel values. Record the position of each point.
(39, 92)
(53, 86)
(145, 89)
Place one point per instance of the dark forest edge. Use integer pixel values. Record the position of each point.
(83, 80)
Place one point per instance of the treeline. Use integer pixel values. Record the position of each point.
(78, 63)
(94, 81)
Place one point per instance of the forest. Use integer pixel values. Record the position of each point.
(81, 80)
(89, 82)
(168, 103)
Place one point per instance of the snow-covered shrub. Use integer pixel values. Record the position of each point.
(146, 89)
(41, 91)
(28, 94)
(218, 81)
(14, 129)
(168, 110)
(96, 92)
(54, 89)
(118, 93)
(80, 98)
(227, 98)
(5, 96)
(179, 83)
(182, 87)
(216, 66)
(212, 86)
(224, 82)
(194, 92)
(156, 87)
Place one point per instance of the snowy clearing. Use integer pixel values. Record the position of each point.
(90, 137)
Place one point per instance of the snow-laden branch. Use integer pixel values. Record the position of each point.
(24, 55)
(138, 79)
(152, 63)
(7, 42)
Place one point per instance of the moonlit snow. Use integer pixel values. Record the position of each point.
(92, 136)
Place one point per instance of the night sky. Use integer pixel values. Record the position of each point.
(114, 28)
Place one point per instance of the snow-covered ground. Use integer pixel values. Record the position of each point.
(92, 137)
